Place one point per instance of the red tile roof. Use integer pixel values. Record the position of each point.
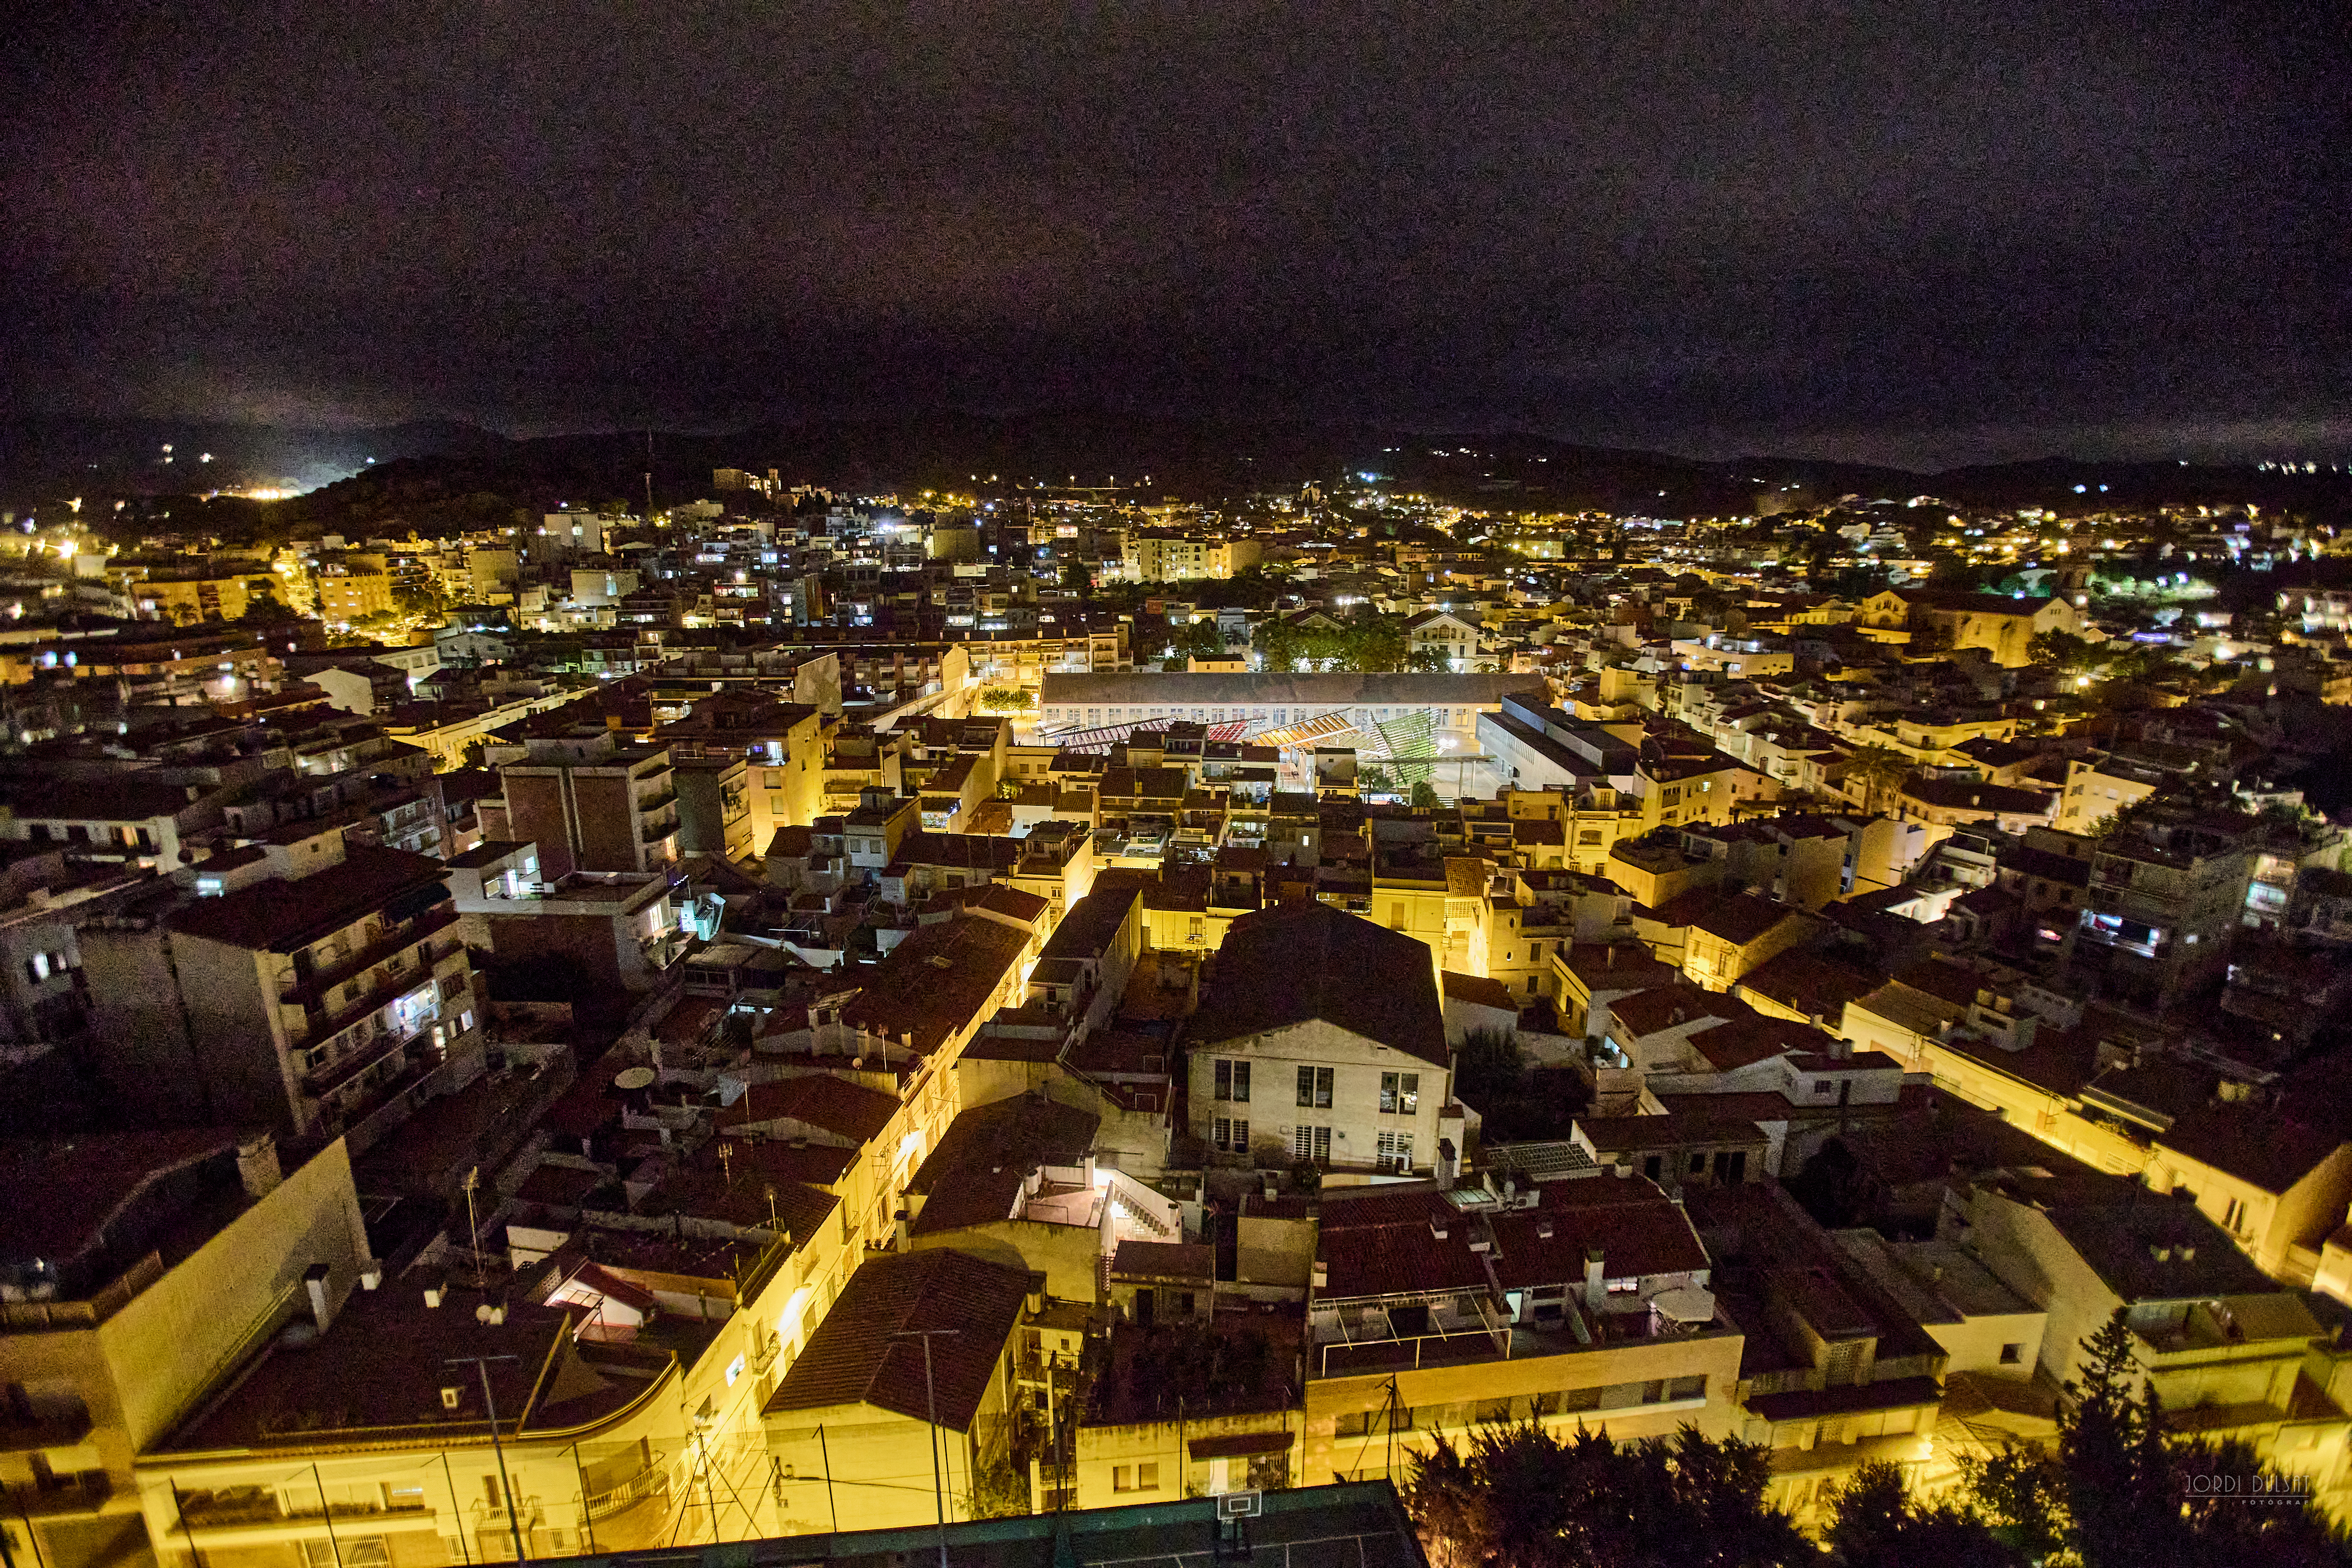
(854, 1358)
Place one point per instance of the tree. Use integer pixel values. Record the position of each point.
(2022, 1493)
(1079, 578)
(1874, 1522)
(1517, 1496)
(2111, 1446)
(1880, 769)
(1488, 1065)
(2120, 1493)
(1422, 794)
(2065, 652)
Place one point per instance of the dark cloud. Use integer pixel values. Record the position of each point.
(1886, 230)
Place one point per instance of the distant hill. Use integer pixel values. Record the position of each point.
(436, 466)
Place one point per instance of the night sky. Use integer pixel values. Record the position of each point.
(1922, 234)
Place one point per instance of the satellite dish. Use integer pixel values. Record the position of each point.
(634, 1079)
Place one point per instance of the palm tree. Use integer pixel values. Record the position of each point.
(1880, 769)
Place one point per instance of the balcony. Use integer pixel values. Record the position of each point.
(317, 1027)
(328, 1076)
(242, 1508)
(294, 987)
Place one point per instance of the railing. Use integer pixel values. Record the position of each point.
(327, 1077)
(651, 1481)
(325, 1028)
(295, 989)
(243, 1507)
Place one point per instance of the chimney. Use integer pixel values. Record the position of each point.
(1596, 1286)
(322, 1307)
(435, 1292)
(257, 1166)
(371, 1275)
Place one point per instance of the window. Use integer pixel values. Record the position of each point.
(1693, 1387)
(1232, 1080)
(1232, 1137)
(1146, 1476)
(1396, 1148)
(1399, 1092)
(1315, 1088)
(1310, 1143)
(1123, 1478)
(2011, 1355)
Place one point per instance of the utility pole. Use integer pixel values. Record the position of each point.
(931, 1404)
(481, 1363)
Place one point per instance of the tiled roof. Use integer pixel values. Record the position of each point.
(1306, 960)
(976, 1175)
(846, 1110)
(935, 981)
(854, 1358)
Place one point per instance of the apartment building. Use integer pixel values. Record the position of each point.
(132, 1267)
(591, 803)
(1295, 1057)
(2230, 1352)
(1834, 1369)
(619, 1367)
(324, 991)
(2165, 902)
(1153, 557)
(1574, 1303)
(782, 746)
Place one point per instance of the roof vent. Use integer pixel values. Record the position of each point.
(1543, 1227)
(1437, 1224)
(450, 1397)
(2161, 1254)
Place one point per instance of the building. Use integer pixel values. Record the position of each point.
(919, 1347)
(1572, 1303)
(2229, 1352)
(591, 803)
(2164, 905)
(134, 1265)
(1156, 557)
(597, 938)
(1273, 703)
(1443, 638)
(324, 991)
(2279, 1186)
(1295, 1057)
(350, 593)
(2004, 628)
